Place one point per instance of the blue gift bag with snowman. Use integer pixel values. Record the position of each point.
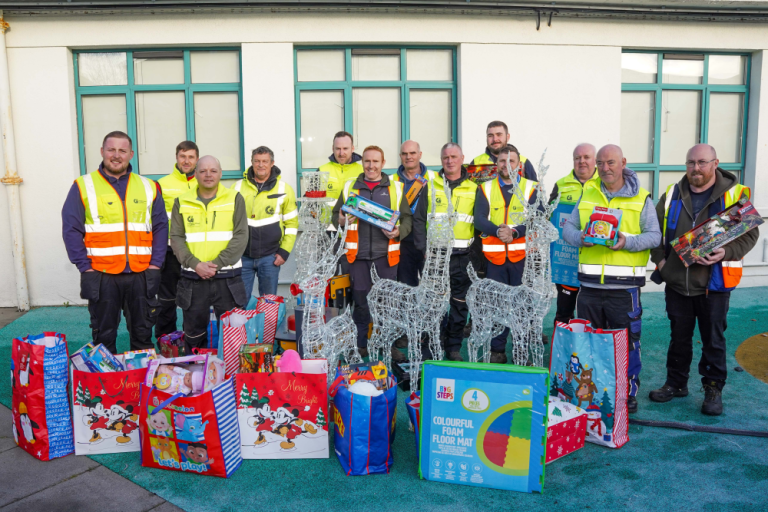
(588, 368)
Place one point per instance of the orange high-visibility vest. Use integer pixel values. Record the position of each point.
(499, 213)
(393, 250)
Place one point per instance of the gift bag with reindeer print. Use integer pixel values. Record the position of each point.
(588, 368)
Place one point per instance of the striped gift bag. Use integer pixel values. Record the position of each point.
(273, 308)
(197, 434)
(234, 327)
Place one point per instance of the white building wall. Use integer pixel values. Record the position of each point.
(555, 88)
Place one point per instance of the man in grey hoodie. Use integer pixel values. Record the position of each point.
(611, 277)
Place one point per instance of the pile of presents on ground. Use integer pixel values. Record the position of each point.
(250, 397)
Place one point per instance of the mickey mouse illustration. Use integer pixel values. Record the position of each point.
(122, 420)
(263, 421)
(289, 425)
(97, 418)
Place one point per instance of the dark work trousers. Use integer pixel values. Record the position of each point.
(512, 274)
(711, 312)
(360, 274)
(454, 324)
(134, 293)
(411, 263)
(616, 309)
(169, 279)
(566, 303)
(196, 296)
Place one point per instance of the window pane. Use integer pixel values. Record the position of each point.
(430, 122)
(102, 69)
(430, 64)
(376, 121)
(215, 67)
(727, 69)
(680, 125)
(681, 69)
(639, 68)
(667, 178)
(320, 65)
(101, 115)
(159, 68)
(375, 67)
(726, 119)
(161, 123)
(217, 127)
(637, 129)
(646, 180)
(322, 115)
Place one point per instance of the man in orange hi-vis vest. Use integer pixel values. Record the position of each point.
(368, 245)
(115, 230)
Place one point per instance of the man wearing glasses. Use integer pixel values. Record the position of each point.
(699, 293)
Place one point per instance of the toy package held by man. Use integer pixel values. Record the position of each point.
(172, 345)
(412, 196)
(717, 231)
(257, 358)
(371, 212)
(603, 226)
(482, 173)
(189, 375)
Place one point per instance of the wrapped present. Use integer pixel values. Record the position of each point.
(566, 430)
(172, 345)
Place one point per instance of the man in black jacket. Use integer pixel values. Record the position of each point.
(368, 245)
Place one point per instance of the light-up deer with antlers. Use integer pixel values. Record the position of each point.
(494, 306)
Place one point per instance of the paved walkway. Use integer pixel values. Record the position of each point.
(66, 484)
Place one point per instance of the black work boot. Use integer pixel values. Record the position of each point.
(455, 356)
(713, 400)
(666, 393)
(498, 357)
(631, 404)
(363, 351)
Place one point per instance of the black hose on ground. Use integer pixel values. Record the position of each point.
(698, 428)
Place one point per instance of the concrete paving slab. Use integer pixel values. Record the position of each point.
(6, 430)
(167, 507)
(8, 315)
(94, 490)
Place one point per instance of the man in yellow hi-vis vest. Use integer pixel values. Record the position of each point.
(701, 292)
(115, 231)
(209, 233)
(367, 245)
(611, 277)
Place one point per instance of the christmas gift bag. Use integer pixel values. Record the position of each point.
(284, 415)
(566, 428)
(365, 430)
(106, 411)
(42, 420)
(483, 425)
(237, 327)
(588, 368)
(273, 308)
(414, 405)
(190, 433)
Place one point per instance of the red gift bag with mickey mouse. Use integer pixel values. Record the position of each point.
(42, 421)
(106, 411)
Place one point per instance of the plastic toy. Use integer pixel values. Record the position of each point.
(603, 226)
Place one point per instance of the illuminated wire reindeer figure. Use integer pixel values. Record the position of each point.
(314, 217)
(398, 309)
(494, 306)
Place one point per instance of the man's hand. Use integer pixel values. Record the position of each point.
(717, 255)
(583, 243)
(620, 243)
(154, 267)
(278, 260)
(342, 218)
(206, 269)
(392, 234)
(90, 270)
(506, 234)
(661, 264)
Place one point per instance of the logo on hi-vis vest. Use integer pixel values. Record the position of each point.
(338, 421)
(270, 210)
(190, 219)
(438, 200)
(445, 389)
(569, 197)
(137, 201)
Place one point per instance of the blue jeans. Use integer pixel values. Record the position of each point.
(263, 268)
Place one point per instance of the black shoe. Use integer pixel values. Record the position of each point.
(362, 351)
(713, 401)
(455, 356)
(397, 356)
(402, 341)
(498, 357)
(631, 404)
(545, 339)
(666, 393)
(468, 329)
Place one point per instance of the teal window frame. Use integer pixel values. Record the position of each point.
(706, 90)
(130, 90)
(348, 84)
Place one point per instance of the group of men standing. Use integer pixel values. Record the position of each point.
(221, 239)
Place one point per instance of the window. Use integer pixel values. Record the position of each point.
(671, 101)
(161, 98)
(382, 96)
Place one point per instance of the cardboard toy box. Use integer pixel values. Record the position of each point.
(566, 429)
(371, 212)
(603, 226)
(483, 425)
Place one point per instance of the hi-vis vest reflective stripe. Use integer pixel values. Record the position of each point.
(600, 264)
(209, 229)
(393, 249)
(463, 200)
(117, 232)
(498, 213)
(173, 186)
(570, 188)
(731, 270)
(257, 205)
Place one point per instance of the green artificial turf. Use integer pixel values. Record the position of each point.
(659, 469)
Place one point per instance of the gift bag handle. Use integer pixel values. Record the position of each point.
(163, 404)
(122, 388)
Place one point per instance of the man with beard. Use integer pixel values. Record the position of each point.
(699, 293)
(115, 230)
